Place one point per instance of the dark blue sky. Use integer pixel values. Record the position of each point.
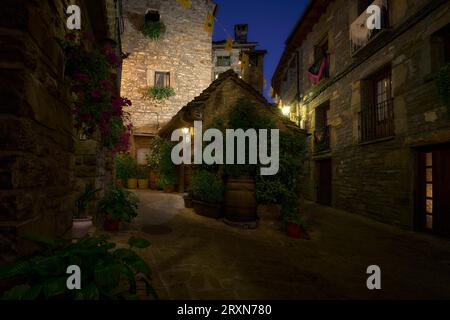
(270, 23)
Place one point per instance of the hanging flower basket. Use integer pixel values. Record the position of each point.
(153, 30)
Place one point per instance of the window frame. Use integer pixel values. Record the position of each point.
(221, 58)
(166, 79)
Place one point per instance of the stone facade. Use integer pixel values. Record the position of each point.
(185, 51)
(224, 60)
(375, 178)
(37, 140)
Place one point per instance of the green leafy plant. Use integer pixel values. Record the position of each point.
(126, 166)
(160, 93)
(153, 29)
(142, 172)
(107, 272)
(154, 157)
(207, 186)
(443, 84)
(167, 170)
(120, 204)
(289, 213)
(83, 200)
(270, 190)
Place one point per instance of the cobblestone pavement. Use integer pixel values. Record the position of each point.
(193, 257)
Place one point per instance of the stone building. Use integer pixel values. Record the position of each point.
(179, 58)
(225, 59)
(43, 164)
(215, 102)
(380, 132)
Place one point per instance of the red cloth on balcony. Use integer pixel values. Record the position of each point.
(316, 72)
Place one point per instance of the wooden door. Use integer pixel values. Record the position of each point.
(434, 190)
(324, 182)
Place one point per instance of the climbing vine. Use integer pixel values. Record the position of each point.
(96, 104)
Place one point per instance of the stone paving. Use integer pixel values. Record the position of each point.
(193, 257)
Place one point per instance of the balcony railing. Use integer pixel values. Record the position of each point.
(377, 122)
(322, 139)
(360, 34)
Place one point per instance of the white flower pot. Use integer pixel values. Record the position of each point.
(80, 227)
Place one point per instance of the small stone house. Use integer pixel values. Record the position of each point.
(380, 132)
(215, 102)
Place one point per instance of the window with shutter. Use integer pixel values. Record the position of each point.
(377, 116)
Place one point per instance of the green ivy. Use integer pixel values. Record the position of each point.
(153, 30)
(159, 93)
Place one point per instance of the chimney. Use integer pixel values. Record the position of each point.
(254, 73)
(241, 33)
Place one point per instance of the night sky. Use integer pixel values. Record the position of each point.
(270, 23)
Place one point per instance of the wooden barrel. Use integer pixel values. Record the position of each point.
(240, 200)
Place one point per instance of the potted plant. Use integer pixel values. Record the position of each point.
(269, 192)
(153, 160)
(207, 193)
(108, 273)
(142, 178)
(295, 225)
(119, 206)
(82, 222)
(187, 197)
(126, 170)
(132, 182)
(167, 171)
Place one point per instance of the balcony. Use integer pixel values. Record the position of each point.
(360, 34)
(322, 139)
(377, 122)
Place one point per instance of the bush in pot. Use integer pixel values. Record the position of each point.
(108, 273)
(81, 222)
(126, 170)
(295, 224)
(119, 206)
(207, 193)
(167, 170)
(142, 175)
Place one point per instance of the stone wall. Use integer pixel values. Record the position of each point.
(37, 140)
(375, 179)
(185, 50)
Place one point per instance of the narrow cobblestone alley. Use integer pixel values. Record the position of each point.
(198, 258)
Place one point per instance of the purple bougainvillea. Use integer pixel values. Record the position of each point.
(97, 104)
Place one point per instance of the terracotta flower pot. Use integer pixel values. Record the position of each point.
(169, 189)
(295, 231)
(143, 183)
(80, 227)
(132, 183)
(153, 177)
(111, 225)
